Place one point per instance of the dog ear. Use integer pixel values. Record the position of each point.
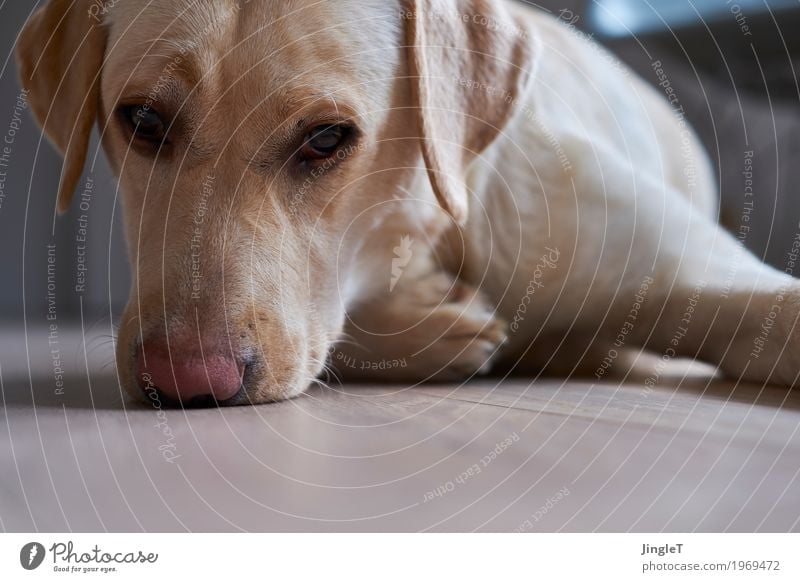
(59, 55)
(469, 63)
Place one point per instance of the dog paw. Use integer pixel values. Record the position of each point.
(459, 338)
(431, 328)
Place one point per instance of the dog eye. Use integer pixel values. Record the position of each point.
(145, 122)
(323, 141)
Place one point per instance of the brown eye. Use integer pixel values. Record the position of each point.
(323, 141)
(145, 122)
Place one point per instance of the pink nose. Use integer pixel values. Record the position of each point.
(188, 379)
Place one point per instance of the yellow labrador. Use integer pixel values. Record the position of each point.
(403, 189)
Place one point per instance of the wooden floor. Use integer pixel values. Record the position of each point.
(692, 454)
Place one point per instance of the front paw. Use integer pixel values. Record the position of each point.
(458, 339)
(432, 328)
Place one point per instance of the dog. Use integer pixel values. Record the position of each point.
(396, 190)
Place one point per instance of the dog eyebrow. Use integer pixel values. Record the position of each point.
(300, 108)
(164, 91)
(178, 55)
(162, 77)
(288, 112)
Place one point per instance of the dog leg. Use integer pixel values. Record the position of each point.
(713, 300)
(707, 296)
(733, 311)
(430, 326)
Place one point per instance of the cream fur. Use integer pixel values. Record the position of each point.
(517, 188)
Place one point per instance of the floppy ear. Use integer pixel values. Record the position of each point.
(469, 63)
(59, 54)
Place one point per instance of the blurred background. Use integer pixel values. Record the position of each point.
(731, 64)
(685, 455)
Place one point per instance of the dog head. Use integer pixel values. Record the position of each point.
(267, 153)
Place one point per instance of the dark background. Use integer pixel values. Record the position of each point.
(28, 222)
(732, 64)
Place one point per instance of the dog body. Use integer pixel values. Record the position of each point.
(424, 191)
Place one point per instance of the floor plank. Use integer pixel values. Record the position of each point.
(693, 453)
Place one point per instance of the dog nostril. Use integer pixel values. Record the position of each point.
(203, 401)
